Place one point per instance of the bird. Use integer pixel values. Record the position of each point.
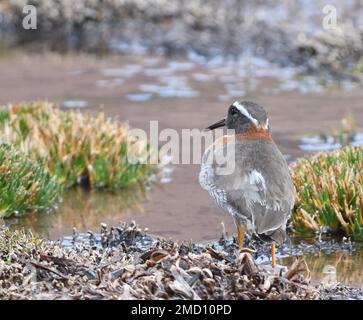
(259, 192)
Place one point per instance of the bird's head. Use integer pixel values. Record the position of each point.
(244, 116)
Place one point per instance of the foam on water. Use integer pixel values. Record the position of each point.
(126, 71)
(203, 77)
(112, 83)
(139, 97)
(181, 66)
(75, 104)
(326, 143)
(158, 72)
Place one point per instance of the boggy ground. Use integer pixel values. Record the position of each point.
(179, 209)
(126, 263)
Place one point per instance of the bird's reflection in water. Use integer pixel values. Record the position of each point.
(330, 267)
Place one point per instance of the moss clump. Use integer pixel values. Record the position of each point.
(77, 148)
(24, 184)
(329, 192)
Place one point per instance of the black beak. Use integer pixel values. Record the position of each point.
(220, 123)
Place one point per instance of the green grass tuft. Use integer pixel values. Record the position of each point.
(24, 184)
(76, 146)
(329, 193)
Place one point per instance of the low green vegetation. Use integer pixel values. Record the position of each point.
(67, 148)
(329, 193)
(77, 147)
(24, 184)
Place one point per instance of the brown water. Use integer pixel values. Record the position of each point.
(348, 266)
(179, 94)
(330, 261)
(92, 208)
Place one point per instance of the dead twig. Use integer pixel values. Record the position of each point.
(215, 254)
(40, 266)
(248, 264)
(297, 267)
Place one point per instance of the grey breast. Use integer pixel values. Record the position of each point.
(259, 193)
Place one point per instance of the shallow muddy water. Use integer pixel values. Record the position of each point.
(343, 267)
(180, 95)
(330, 262)
(327, 143)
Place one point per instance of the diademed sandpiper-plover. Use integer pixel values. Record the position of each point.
(259, 193)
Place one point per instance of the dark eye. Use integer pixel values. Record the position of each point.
(234, 111)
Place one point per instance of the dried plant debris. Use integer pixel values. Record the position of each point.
(161, 269)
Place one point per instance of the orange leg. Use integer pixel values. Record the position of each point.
(241, 236)
(273, 255)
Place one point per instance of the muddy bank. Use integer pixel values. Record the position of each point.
(126, 263)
